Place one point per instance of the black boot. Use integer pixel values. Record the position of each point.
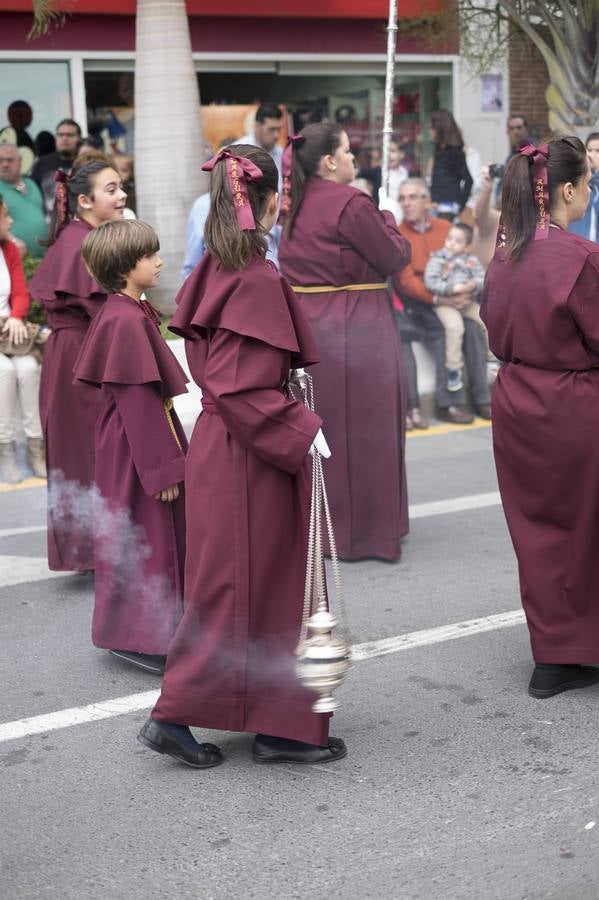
(268, 749)
(178, 741)
(548, 680)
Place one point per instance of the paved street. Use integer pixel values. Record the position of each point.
(457, 785)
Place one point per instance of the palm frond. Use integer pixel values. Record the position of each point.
(45, 14)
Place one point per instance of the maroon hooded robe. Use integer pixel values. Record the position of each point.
(542, 314)
(231, 664)
(139, 542)
(339, 238)
(71, 298)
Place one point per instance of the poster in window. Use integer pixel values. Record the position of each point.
(491, 93)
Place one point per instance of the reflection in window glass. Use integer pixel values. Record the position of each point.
(44, 85)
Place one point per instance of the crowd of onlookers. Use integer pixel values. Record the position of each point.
(449, 213)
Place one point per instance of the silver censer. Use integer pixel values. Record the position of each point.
(323, 660)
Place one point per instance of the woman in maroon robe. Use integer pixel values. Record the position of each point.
(231, 664)
(337, 251)
(71, 297)
(541, 308)
(139, 516)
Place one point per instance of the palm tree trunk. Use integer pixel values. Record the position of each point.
(169, 145)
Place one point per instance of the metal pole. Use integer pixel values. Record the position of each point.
(389, 92)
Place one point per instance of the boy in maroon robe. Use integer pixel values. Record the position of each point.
(71, 298)
(541, 307)
(231, 664)
(139, 526)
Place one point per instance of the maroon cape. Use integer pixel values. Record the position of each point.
(231, 664)
(71, 298)
(542, 314)
(139, 542)
(339, 237)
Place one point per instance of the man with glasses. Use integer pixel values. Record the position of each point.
(68, 138)
(418, 321)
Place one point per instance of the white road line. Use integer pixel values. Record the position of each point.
(457, 504)
(11, 532)
(119, 706)
(25, 569)
(437, 635)
(417, 510)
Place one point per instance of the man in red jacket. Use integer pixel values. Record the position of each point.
(418, 321)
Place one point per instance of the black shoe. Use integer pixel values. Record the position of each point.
(269, 749)
(145, 661)
(457, 415)
(156, 736)
(548, 680)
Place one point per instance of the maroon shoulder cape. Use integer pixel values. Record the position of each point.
(139, 542)
(256, 303)
(231, 664)
(124, 347)
(62, 270)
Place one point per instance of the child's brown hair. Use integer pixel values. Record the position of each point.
(114, 248)
(233, 247)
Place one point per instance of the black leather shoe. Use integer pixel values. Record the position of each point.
(457, 415)
(155, 736)
(145, 661)
(549, 680)
(269, 749)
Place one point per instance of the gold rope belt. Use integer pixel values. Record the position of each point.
(168, 405)
(330, 288)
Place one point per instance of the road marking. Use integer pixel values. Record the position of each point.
(447, 428)
(25, 569)
(437, 635)
(30, 529)
(107, 709)
(23, 485)
(456, 504)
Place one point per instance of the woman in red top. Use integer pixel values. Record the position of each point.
(19, 375)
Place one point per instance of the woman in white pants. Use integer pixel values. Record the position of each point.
(19, 375)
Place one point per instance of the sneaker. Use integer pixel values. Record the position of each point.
(454, 380)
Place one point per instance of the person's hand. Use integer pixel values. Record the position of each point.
(461, 288)
(320, 444)
(17, 330)
(456, 301)
(486, 182)
(168, 494)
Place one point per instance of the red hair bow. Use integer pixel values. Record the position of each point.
(240, 170)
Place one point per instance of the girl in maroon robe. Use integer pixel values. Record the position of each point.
(71, 297)
(231, 664)
(541, 308)
(139, 525)
(337, 251)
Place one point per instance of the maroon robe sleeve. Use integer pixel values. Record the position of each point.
(374, 235)
(583, 301)
(241, 377)
(158, 459)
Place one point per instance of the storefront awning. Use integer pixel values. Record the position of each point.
(297, 9)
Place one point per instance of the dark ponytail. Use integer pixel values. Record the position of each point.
(233, 247)
(566, 161)
(320, 139)
(79, 181)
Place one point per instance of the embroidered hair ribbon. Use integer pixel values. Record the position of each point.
(538, 156)
(61, 178)
(240, 170)
(293, 141)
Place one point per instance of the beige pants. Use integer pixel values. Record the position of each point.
(19, 386)
(453, 323)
